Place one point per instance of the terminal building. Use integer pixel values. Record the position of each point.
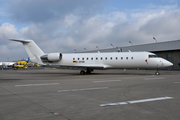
(169, 50)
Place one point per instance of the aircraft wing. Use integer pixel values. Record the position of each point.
(75, 66)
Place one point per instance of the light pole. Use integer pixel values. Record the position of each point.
(112, 45)
(130, 42)
(155, 39)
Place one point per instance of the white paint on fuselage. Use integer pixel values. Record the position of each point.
(114, 60)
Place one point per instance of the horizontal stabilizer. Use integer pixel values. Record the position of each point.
(23, 41)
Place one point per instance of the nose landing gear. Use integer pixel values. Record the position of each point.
(157, 72)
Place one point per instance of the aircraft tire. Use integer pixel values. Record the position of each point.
(82, 72)
(157, 73)
(88, 71)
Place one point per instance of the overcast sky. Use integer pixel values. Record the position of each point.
(65, 25)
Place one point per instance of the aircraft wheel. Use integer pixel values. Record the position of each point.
(88, 71)
(82, 72)
(157, 73)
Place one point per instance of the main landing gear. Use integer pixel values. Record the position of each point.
(157, 72)
(82, 72)
(88, 71)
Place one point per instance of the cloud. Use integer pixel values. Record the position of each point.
(64, 27)
(40, 11)
(76, 32)
(12, 51)
(164, 27)
(8, 49)
(7, 31)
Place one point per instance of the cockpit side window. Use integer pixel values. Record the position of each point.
(153, 56)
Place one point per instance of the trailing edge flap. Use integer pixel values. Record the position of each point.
(74, 66)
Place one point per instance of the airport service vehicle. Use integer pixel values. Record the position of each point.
(23, 64)
(87, 62)
(20, 64)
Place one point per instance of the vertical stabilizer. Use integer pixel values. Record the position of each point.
(32, 49)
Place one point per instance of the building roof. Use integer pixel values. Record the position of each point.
(153, 47)
(159, 46)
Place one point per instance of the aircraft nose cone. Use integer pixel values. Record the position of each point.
(171, 64)
(168, 64)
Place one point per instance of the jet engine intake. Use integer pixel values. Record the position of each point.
(52, 57)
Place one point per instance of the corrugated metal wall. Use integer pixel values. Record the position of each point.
(172, 56)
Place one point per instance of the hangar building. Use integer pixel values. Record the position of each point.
(169, 50)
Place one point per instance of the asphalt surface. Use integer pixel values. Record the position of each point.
(53, 94)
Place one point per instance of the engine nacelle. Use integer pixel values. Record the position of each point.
(51, 57)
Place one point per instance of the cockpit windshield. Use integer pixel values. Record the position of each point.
(153, 56)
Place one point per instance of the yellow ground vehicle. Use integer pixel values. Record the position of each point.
(24, 64)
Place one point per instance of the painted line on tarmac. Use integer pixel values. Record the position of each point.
(106, 81)
(136, 101)
(177, 82)
(153, 78)
(73, 90)
(36, 84)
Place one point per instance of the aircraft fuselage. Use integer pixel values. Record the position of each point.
(113, 60)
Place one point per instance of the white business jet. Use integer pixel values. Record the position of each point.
(87, 62)
(6, 64)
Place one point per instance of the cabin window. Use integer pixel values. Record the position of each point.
(101, 58)
(78, 58)
(82, 58)
(92, 58)
(96, 58)
(73, 58)
(126, 58)
(116, 58)
(86, 58)
(106, 58)
(121, 58)
(111, 58)
(131, 58)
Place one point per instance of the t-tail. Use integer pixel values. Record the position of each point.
(32, 49)
(27, 60)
